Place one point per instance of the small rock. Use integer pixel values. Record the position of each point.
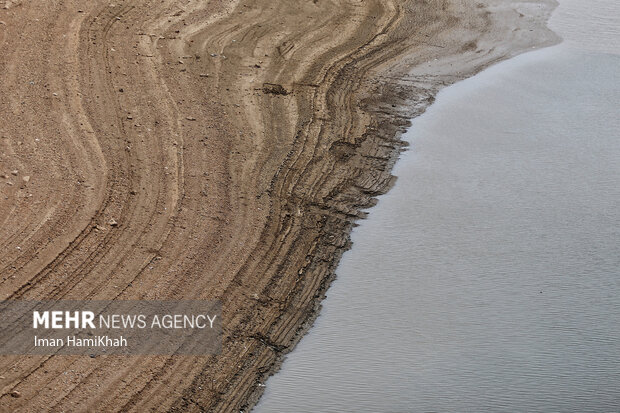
(129, 117)
(190, 118)
(4, 176)
(274, 89)
(204, 75)
(15, 172)
(15, 394)
(112, 222)
(26, 179)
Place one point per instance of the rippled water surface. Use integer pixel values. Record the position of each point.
(488, 279)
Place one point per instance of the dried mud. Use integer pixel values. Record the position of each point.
(208, 149)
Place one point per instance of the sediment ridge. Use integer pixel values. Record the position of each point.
(209, 150)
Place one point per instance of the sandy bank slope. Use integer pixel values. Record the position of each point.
(208, 149)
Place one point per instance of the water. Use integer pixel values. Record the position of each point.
(488, 279)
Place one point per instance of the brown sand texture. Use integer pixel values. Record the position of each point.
(209, 150)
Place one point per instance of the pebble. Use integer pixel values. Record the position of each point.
(190, 118)
(112, 222)
(26, 179)
(15, 172)
(15, 394)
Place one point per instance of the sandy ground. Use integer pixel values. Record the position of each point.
(208, 149)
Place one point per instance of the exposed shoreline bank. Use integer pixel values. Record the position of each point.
(408, 86)
(445, 301)
(221, 150)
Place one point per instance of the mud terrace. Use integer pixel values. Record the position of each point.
(208, 150)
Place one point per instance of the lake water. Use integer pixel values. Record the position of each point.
(488, 279)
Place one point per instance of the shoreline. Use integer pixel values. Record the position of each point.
(410, 90)
(221, 151)
(408, 97)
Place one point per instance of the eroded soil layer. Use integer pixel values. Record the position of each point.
(208, 149)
